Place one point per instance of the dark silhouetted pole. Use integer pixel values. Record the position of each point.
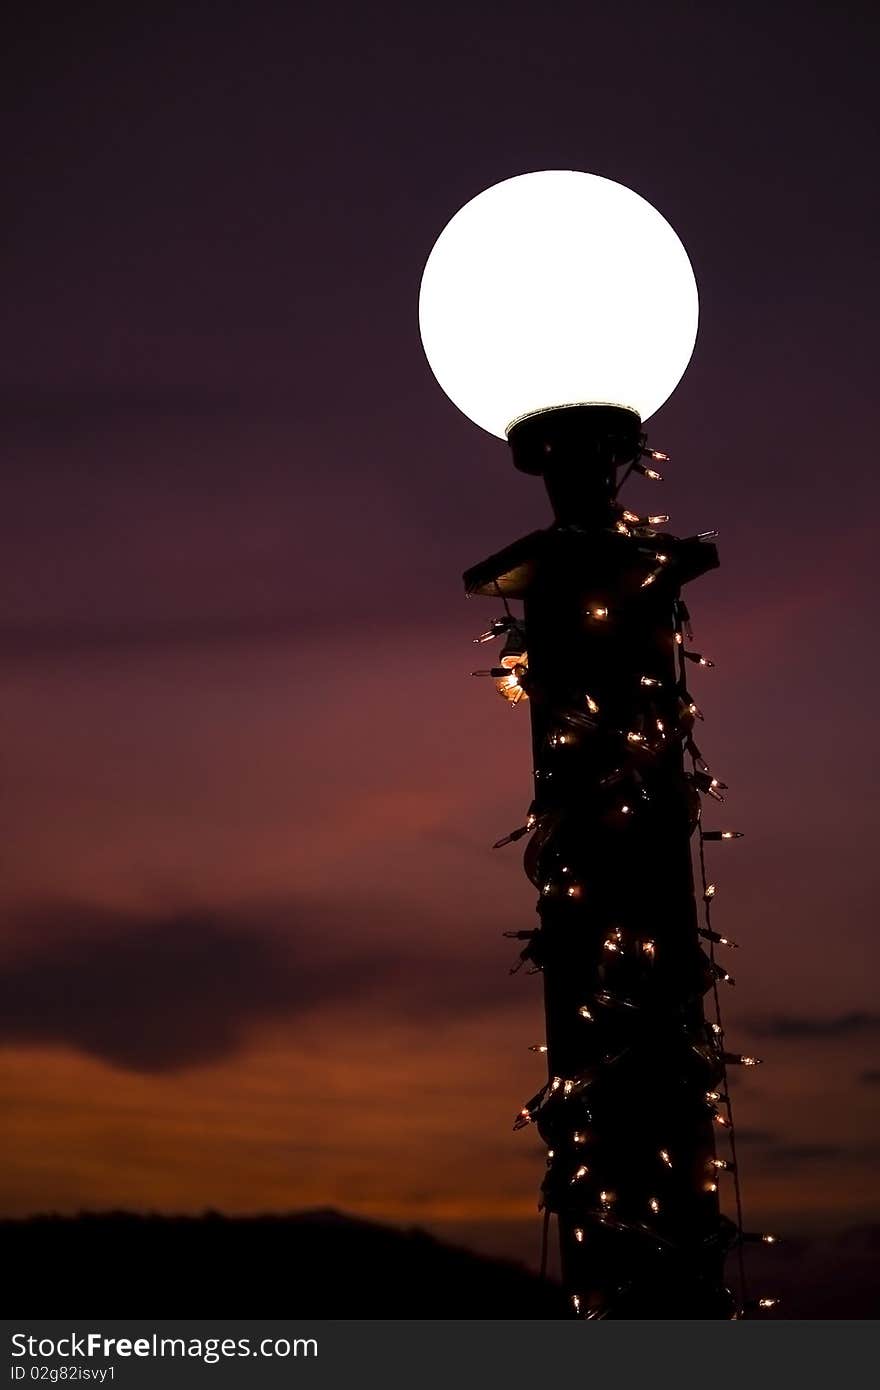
(635, 1080)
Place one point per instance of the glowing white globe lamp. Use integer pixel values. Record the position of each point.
(557, 289)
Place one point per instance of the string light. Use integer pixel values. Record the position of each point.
(718, 939)
(723, 834)
(656, 455)
(650, 473)
(698, 658)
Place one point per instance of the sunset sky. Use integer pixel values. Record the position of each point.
(252, 952)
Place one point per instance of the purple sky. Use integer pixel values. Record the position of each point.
(251, 921)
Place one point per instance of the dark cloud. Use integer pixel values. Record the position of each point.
(834, 1026)
(156, 995)
(163, 993)
(804, 1153)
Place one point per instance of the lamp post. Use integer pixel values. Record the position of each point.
(559, 310)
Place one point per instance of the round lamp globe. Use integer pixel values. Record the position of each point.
(556, 289)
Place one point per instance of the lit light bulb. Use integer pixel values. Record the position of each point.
(649, 579)
(768, 1302)
(769, 1239)
(538, 1047)
(710, 1186)
(658, 519)
(529, 294)
(720, 1163)
(650, 681)
(592, 705)
(578, 1235)
(660, 558)
(606, 1198)
(579, 1137)
(626, 810)
(580, 1173)
(576, 1302)
(723, 834)
(632, 517)
(622, 528)
(598, 612)
(585, 1013)
(654, 1205)
(664, 1154)
(649, 948)
(635, 737)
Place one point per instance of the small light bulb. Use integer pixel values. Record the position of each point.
(712, 1096)
(598, 612)
(767, 1302)
(625, 810)
(578, 1235)
(622, 529)
(722, 1120)
(720, 1163)
(664, 1154)
(710, 892)
(649, 680)
(654, 1205)
(648, 947)
(653, 475)
(657, 455)
(750, 1061)
(769, 1239)
(634, 737)
(678, 639)
(580, 1173)
(716, 1028)
(573, 891)
(711, 1187)
(556, 1083)
(576, 1302)
(579, 1137)
(659, 519)
(661, 559)
(585, 1013)
(591, 705)
(631, 517)
(538, 1047)
(649, 579)
(606, 1198)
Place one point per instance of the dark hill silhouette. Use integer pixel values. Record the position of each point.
(314, 1264)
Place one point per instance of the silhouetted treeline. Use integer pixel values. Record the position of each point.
(316, 1264)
